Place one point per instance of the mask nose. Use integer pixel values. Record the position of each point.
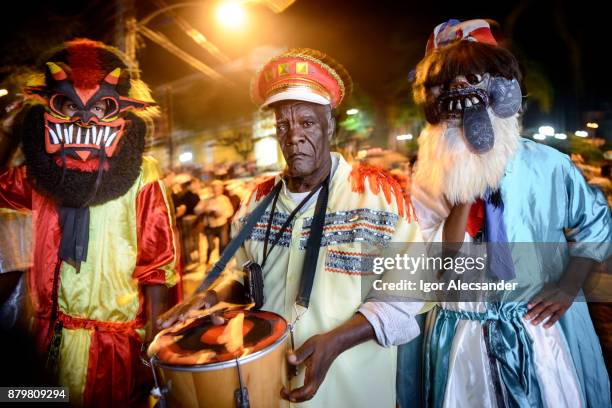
(459, 83)
(85, 117)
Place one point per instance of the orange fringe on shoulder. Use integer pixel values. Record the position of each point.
(380, 180)
(262, 189)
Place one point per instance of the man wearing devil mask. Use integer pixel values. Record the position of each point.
(104, 250)
(478, 181)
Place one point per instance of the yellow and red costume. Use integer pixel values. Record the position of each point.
(91, 312)
(101, 307)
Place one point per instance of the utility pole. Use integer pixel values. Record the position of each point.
(168, 102)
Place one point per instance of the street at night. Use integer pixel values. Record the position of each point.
(305, 203)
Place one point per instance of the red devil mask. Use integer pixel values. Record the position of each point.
(94, 82)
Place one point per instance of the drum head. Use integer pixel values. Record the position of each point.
(204, 343)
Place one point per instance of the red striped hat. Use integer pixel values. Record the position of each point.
(301, 74)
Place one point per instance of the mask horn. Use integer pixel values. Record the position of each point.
(113, 77)
(57, 72)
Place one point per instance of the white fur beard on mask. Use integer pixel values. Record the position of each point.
(447, 167)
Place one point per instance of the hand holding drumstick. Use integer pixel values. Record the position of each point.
(319, 352)
(230, 291)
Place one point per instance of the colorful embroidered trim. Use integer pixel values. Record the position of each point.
(259, 232)
(350, 263)
(359, 225)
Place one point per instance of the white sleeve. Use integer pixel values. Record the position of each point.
(393, 322)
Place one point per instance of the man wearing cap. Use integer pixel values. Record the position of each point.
(478, 181)
(365, 211)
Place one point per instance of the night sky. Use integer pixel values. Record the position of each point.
(560, 43)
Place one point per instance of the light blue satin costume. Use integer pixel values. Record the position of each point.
(546, 200)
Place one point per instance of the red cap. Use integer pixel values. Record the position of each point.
(301, 74)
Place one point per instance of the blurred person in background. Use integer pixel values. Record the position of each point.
(15, 227)
(26, 368)
(217, 212)
(186, 197)
(183, 195)
(604, 181)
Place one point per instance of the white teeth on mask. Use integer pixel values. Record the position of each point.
(72, 134)
(109, 142)
(68, 134)
(475, 100)
(95, 135)
(58, 132)
(458, 105)
(467, 103)
(99, 139)
(54, 138)
(450, 106)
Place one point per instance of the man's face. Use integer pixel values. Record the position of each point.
(303, 130)
(69, 108)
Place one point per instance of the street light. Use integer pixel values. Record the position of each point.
(560, 136)
(581, 133)
(3, 92)
(231, 14)
(546, 130)
(592, 125)
(539, 136)
(352, 111)
(404, 137)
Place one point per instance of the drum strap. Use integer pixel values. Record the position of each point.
(235, 243)
(313, 245)
(290, 218)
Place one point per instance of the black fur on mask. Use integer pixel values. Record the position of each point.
(77, 186)
(444, 64)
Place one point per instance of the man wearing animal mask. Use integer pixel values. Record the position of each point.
(104, 251)
(477, 180)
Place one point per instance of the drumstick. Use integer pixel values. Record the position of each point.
(192, 316)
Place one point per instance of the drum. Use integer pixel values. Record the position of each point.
(239, 364)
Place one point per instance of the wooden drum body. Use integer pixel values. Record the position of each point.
(260, 366)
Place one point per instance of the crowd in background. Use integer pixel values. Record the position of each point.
(206, 199)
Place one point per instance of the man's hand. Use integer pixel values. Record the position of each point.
(554, 299)
(551, 303)
(225, 290)
(180, 312)
(318, 353)
(455, 224)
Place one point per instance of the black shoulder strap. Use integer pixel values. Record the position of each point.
(235, 243)
(313, 245)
